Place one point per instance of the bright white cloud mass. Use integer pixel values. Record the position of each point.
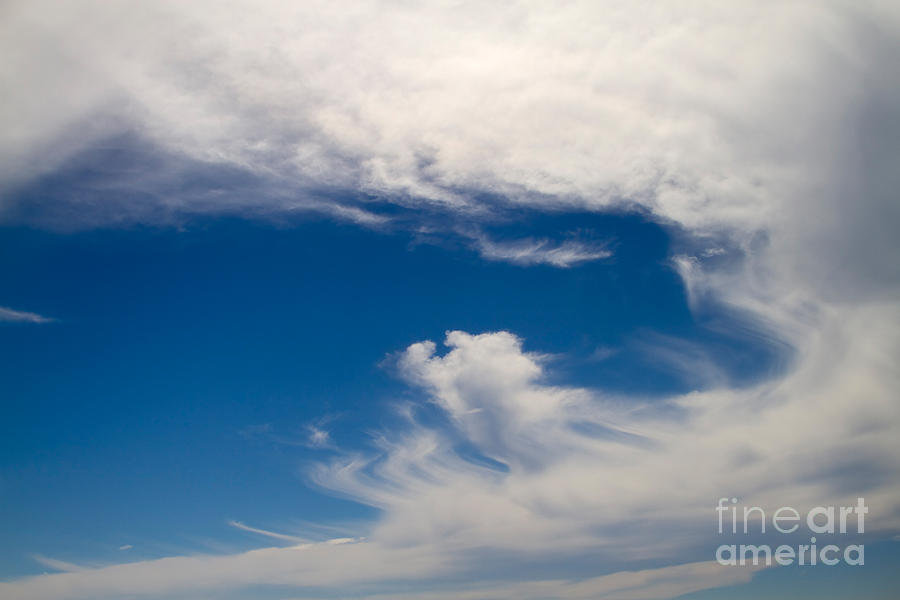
(768, 128)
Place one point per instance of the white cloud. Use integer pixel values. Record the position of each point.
(583, 470)
(689, 110)
(320, 564)
(537, 252)
(318, 438)
(18, 316)
(271, 534)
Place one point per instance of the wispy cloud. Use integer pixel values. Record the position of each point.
(318, 437)
(264, 532)
(563, 480)
(529, 251)
(311, 435)
(18, 316)
(58, 565)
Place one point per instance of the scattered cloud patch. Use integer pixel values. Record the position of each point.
(602, 353)
(319, 438)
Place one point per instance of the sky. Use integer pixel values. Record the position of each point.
(458, 300)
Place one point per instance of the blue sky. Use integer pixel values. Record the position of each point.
(450, 301)
(172, 350)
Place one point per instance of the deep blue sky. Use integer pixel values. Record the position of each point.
(156, 407)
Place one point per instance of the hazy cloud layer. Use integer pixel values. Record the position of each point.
(323, 567)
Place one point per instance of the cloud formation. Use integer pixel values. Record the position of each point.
(769, 122)
(770, 129)
(689, 110)
(527, 471)
(572, 468)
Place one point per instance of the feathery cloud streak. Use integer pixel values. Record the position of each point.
(19, 316)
